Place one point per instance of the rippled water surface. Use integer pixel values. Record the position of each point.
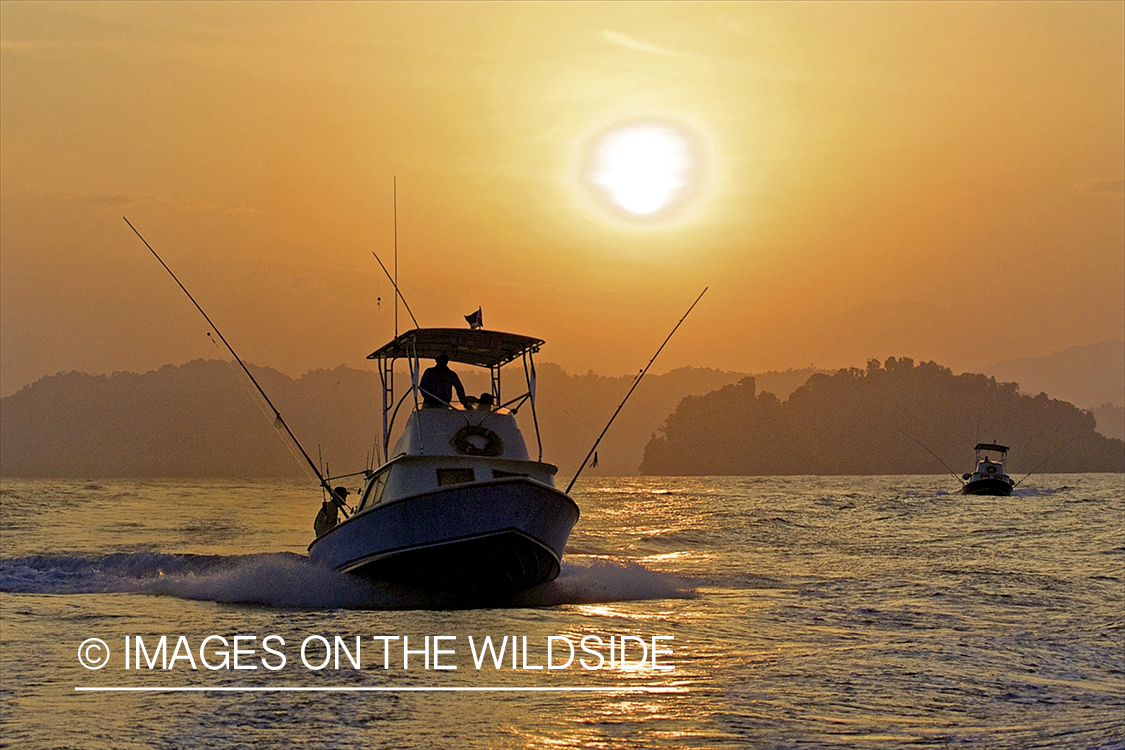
(799, 612)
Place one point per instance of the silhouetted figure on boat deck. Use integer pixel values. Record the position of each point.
(438, 384)
(329, 514)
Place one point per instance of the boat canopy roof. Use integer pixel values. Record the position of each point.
(991, 447)
(476, 347)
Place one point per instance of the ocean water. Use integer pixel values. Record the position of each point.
(764, 612)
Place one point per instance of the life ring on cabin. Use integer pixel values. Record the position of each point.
(991, 469)
(475, 440)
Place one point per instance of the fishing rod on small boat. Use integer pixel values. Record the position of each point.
(400, 295)
(636, 382)
(943, 463)
(1045, 460)
(277, 414)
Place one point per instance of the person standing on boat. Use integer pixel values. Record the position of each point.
(438, 384)
(329, 514)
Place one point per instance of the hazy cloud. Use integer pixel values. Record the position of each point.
(624, 40)
(19, 45)
(193, 204)
(106, 200)
(1106, 186)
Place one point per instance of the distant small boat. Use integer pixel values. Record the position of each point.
(459, 506)
(989, 478)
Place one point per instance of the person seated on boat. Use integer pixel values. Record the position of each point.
(329, 514)
(484, 403)
(438, 384)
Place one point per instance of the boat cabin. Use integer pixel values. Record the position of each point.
(990, 460)
(458, 505)
(445, 444)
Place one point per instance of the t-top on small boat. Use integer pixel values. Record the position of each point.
(458, 506)
(989, 478)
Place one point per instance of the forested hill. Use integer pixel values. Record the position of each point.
(204, 419)
(200, 419)
(872, 422)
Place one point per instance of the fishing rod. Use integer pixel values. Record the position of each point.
(394, 187)
(1045, 460)
(943, 463)
(630, 393)
(277, 415)
(397, 293)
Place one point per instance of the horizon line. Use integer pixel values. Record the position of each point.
(380, 689)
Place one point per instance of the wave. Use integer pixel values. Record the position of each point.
(1039, 491)
(289, 581)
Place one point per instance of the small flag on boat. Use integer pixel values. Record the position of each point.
(475, 320)
(594, 463)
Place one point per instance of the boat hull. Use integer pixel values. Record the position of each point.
(988, 486)
(476, 540)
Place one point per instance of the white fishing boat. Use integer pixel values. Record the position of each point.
(989, 477)
(459, 505)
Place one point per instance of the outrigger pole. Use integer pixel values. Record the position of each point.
(1045, 460)
(943, 463)
(630, 393)
(277, 415)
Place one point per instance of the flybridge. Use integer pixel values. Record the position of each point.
(476, 347)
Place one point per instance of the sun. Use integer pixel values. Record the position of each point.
(642, 169)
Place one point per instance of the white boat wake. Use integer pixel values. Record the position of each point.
(289, 581)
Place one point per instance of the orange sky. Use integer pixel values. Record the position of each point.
(935, 180)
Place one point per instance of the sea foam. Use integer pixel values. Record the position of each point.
(289, 581)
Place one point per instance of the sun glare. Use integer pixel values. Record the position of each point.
(642, 169)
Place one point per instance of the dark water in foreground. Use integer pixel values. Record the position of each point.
(799, 612)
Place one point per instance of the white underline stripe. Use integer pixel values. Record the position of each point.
(649, 689)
